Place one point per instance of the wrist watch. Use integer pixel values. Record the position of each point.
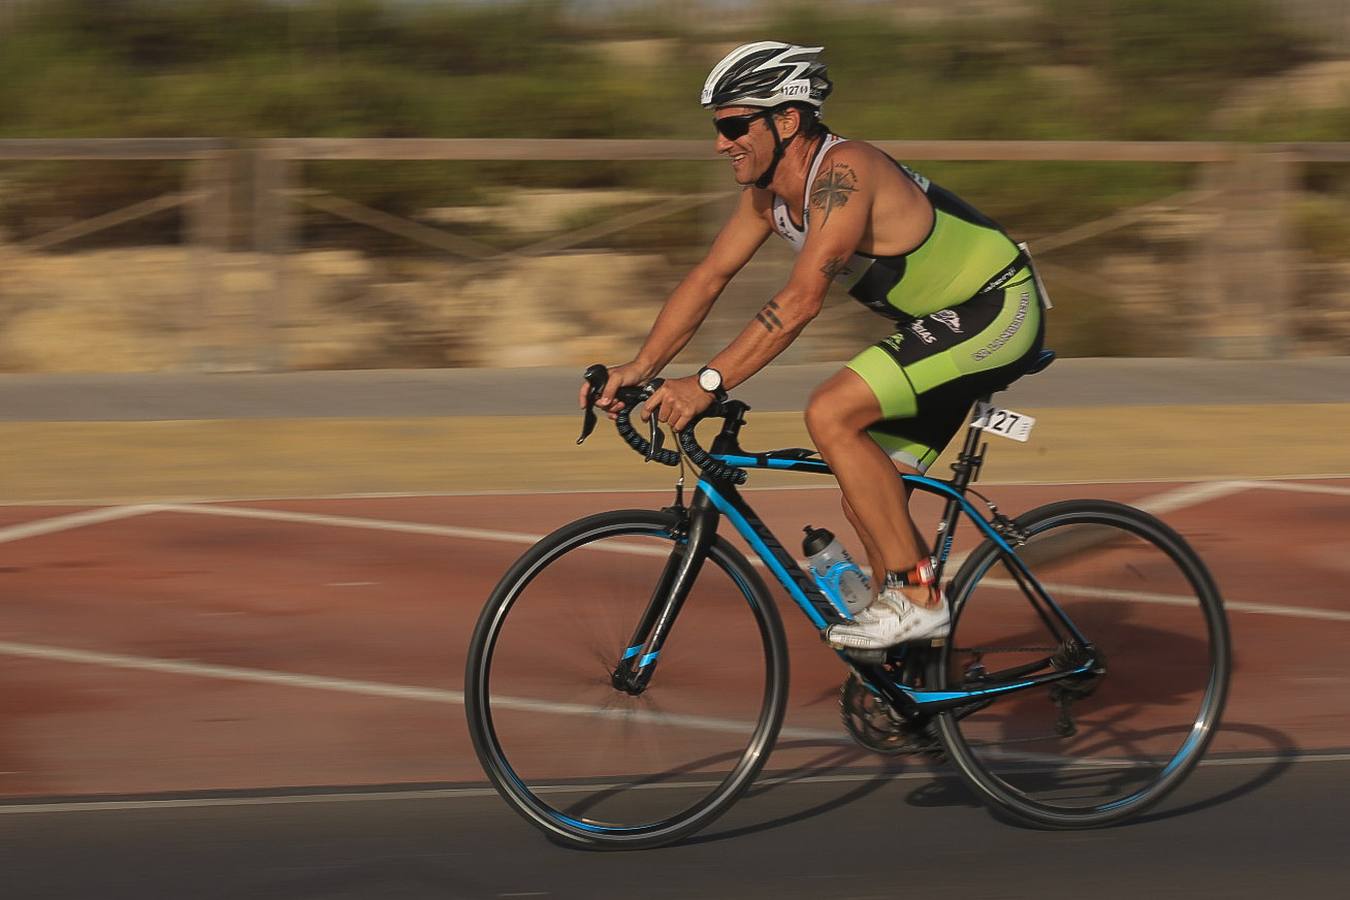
(711, 381)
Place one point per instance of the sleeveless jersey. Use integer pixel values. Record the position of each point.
(965, 254)
(783, 224)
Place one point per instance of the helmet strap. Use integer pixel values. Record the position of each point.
(779, 145)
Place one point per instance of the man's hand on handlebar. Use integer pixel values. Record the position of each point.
(626, 375)
(678, 401)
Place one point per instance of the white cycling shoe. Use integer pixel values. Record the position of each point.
(891, 619)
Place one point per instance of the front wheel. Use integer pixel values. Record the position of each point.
(585, 761)
(1118, 737)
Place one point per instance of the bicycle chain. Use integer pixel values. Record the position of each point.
(983, 650)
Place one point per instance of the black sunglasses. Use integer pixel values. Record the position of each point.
(734, 127)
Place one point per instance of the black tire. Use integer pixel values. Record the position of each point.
(1154, 671)
(550, 801)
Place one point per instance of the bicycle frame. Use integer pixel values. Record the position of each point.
(718, 497)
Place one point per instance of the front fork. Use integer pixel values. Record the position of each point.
(694, 534)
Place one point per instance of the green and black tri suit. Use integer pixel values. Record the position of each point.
(968, 315)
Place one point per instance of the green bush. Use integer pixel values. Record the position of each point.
(1322, 224)
(1152, 41)
(1146, 69)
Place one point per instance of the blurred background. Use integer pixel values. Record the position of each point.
(230, 561)
(278, 185)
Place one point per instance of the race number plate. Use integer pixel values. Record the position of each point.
(1003, 422)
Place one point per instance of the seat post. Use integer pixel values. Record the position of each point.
(966, 469)
(967, 466)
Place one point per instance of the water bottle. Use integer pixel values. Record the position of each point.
(835, 571)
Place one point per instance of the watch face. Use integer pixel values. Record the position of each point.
(710, 379)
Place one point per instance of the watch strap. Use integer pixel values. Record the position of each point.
(719, 393)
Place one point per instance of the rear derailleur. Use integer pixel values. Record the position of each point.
(1064, 693)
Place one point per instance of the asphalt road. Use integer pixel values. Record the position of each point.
(1258, 829)
(1268, 827)
(455, 392)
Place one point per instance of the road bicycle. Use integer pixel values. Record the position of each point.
(628, 676)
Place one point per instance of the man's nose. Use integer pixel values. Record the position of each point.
(723, 144)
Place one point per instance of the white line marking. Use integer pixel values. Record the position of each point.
(369, 495)
(206, 802)
(1189, 495)
(1168, 501)
(1171, 501)
(473, 792)
(1157, 504)
(1074, 590)
(452, 531)
(228, 673)
(639, 489)
(1295, 487)
(381, 689)
(73, 520)
(1172, 479)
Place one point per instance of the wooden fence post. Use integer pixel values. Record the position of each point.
(1246, 264)
(272, 231)
(208, 237)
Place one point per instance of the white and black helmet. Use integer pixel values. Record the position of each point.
(767, 74)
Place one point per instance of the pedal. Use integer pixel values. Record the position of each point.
(867, 657)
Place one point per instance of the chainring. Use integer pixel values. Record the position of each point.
(872, 723)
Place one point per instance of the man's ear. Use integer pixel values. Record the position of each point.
(788, 122)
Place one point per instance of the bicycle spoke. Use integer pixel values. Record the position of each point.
(696, 722)
(1157, 669)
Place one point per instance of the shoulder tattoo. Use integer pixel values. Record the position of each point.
(832, 188)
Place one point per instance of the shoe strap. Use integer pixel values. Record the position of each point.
(921, 574)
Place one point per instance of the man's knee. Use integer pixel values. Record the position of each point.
(823, 421)
(833, 411)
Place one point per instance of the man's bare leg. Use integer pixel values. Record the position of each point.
(874, 561)
(869, 547)
(837, 417)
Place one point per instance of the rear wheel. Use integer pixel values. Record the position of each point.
(581, 759)
(1116, 739)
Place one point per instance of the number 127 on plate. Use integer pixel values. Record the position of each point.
(1003, 422)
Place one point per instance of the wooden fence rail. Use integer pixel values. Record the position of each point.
(1245, 273)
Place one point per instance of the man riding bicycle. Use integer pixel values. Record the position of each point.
(961, 293)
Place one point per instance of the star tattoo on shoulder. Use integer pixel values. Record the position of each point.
(831, 189)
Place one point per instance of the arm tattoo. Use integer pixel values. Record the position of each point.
(832, 188)
(834, 267)
(768, 317)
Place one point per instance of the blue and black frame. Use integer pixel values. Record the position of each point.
(898, 674)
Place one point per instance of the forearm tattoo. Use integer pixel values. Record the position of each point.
(768, 317)
(831, 189)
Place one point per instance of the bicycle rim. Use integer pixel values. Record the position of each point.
(586, 762)
(1100, 747)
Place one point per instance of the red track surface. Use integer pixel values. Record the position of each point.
(392, 608)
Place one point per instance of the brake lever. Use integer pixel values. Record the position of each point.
(657, 438)
(656, 441)
(596, 376)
